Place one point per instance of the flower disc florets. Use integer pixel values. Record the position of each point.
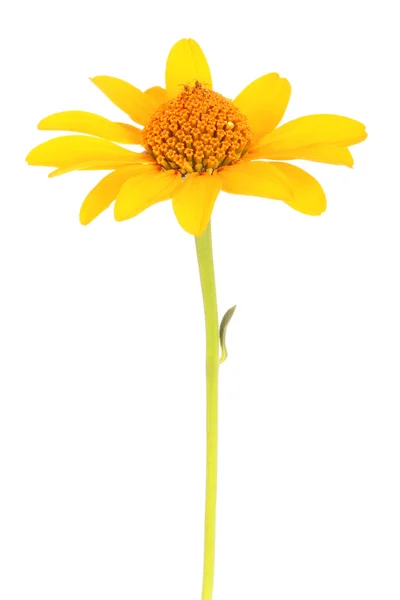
(199, 130)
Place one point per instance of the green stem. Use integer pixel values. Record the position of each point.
(207, 277)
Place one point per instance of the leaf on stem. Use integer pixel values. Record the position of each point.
(222, 333)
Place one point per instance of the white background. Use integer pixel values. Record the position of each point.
(103, 407)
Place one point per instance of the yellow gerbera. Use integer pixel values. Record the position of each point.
(196, 143)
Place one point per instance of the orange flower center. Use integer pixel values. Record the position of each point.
(199, 130)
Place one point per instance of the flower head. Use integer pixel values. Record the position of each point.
(198, 131)
(195, 143)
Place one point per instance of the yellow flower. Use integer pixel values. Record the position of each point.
(196, 143)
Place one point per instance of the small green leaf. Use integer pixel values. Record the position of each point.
(222, 333)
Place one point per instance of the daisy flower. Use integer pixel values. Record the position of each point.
(195, 143)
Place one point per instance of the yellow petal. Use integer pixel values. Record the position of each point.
(135, 103)
(105, 192)
(85, 122)
(315, 129)
(158, 94)
(255, 179)
(278, 181)
(264, 102)
(102, 165)
(143, 190)
(308, 195)
(186, 64)
(333, 155)
(67, 150)
(194, 200)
